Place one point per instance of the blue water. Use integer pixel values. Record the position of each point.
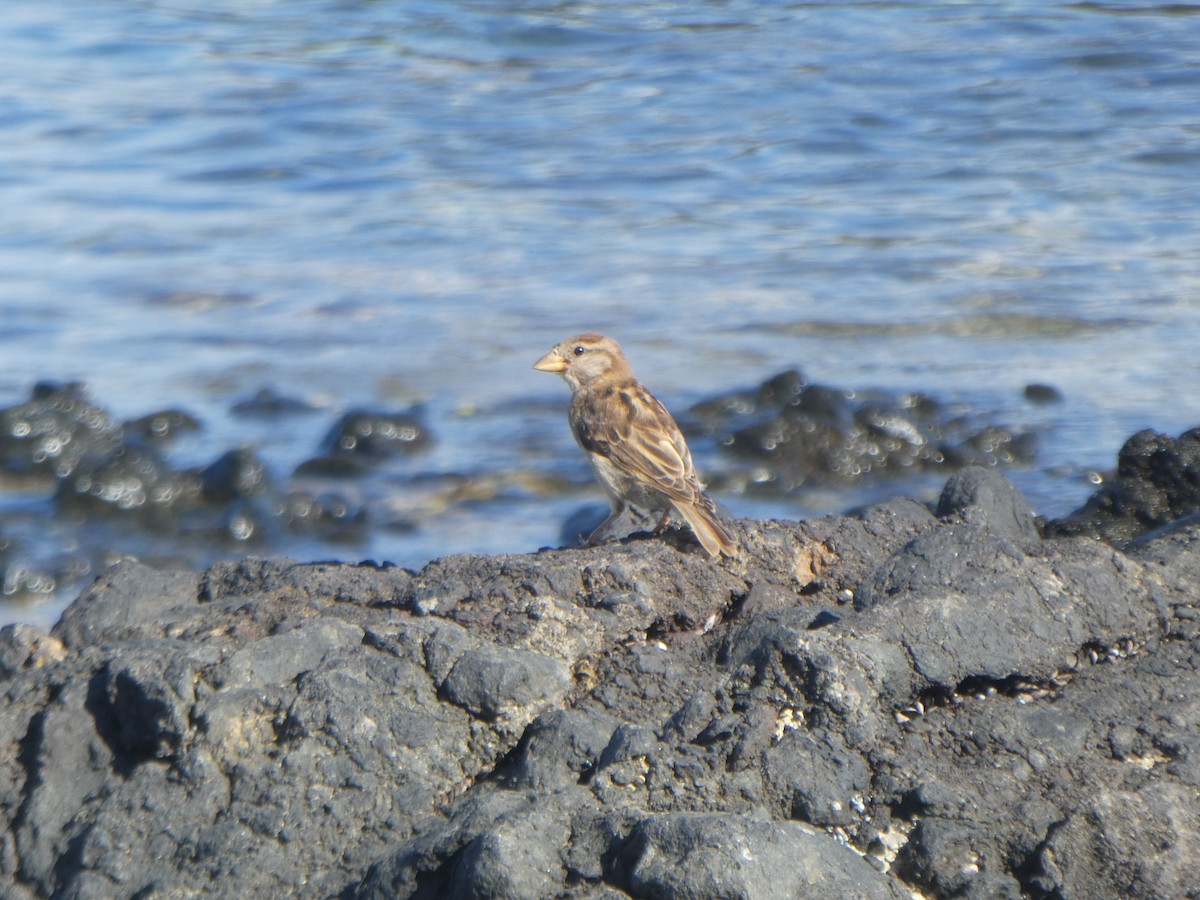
(392, 204)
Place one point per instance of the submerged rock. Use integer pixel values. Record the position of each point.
(872, 706)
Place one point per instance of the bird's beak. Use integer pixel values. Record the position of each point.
(551, 362)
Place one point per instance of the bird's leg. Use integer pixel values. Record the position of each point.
(662, 523)
(597, 534)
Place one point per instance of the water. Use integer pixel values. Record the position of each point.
(388, 204)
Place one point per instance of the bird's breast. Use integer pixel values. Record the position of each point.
(624, 485)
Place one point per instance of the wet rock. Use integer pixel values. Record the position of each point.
(238, 473)
(245, 522)
(164, 425)
(132, 479)
(798, 433)
(361, 439)
(881, 704)
(268, 401)
(1157, 483)
(21, 578)
(329, 514)
(113, 490)
(375, 434)
(1042, 394)
(331, 467)
(581, 523)
(54, 431)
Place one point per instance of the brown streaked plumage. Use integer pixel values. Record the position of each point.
(636, 450)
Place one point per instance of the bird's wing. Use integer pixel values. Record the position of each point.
(631, 428)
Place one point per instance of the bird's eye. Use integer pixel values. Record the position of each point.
(580, 350)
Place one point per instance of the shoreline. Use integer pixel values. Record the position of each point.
(895, 701)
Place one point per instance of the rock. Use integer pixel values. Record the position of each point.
(515, 858)
(25, 647)
(109, 490)
(163, 425)
(1157, 483)
(128, 601)
(328, 514)
(798, 433)
(561, 748)
(64, 761)
(713, 855)
(491, 827)
(1042, 394)
(824, 779)
(22, 578)
(132, 479)
(493, 683)
(373, 434)
(876, 705)
(238, 473)
(54, 431)
(268, 401)
(984, 497)
(146, 697)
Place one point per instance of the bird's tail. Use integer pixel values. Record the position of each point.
(702, 517)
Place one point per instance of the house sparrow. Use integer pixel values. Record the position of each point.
(635, 448)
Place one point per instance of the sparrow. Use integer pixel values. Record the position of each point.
(636, 450)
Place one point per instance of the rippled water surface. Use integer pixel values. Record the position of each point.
(395, 205)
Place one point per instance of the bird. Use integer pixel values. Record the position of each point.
(635, 447)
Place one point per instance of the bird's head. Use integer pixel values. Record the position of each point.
(583, 358)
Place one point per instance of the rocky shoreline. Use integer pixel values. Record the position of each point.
(108, 489)
(959, 702)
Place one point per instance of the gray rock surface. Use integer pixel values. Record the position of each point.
(879, 705)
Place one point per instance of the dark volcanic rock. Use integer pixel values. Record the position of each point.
(865, 706)
(684, 854)
(110, 490)
(131, 479)
(54, 431)
(238, 473)
(1157, 483)
(984, 497)
(20, 577)
(1042, 394)
(268, 401)
(376, 434)
(163, 425)
(798, 433)
(361, 438)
